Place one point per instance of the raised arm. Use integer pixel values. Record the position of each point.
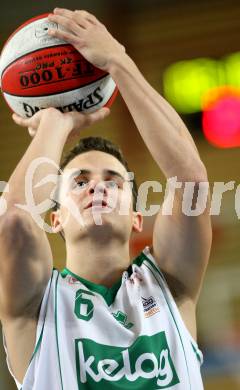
(26, 258)
(181, 244)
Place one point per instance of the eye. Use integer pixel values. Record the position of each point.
(81, 183)
(111, 184)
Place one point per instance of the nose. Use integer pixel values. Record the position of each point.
(96, 187)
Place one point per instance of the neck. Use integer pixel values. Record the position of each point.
(98, 262)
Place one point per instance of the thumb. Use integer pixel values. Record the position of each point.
(32, 131)
(82, 120)
(97, 115)
(20, 120)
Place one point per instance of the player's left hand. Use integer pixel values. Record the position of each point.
(73, 122)
(89, 36)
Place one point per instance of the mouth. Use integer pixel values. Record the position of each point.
(97, 204)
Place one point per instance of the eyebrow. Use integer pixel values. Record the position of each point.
(87, 172)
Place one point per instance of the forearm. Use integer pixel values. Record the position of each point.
(48, 143)
(161, 128)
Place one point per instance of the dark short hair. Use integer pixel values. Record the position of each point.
(102, 145)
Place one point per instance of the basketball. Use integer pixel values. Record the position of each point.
(39, 71)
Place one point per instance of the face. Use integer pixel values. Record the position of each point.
(96, 199)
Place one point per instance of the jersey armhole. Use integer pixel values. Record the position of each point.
(42, 316)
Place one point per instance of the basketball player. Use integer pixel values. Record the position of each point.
(105, 321)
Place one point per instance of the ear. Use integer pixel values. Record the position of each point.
(55, 218)
(137, 222)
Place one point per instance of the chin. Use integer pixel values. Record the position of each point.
(110, 227)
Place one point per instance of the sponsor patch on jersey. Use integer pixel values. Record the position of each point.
(147, 363)
(122, 319)
(150, 306)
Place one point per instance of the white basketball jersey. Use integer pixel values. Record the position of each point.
(129, 336)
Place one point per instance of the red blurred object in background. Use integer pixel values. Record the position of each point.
(221, 117)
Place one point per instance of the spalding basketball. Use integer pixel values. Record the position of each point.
(39, 71)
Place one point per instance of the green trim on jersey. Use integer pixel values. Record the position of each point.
(144, 257)
(198, 355)
(56, 331)
(140, 259)
(108, 294)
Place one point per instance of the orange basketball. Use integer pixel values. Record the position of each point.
(39, 71)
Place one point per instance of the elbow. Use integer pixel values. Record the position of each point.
(8, 211)
(13, 225)
(10, 216)
(195, 172)
(201, 173)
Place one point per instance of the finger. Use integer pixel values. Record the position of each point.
(88, 120)
(65, 36)
(20, 121)
(68, 23)
(86, 16)
(31, 131)
(81, 19)
(63, 11)
(97, 115)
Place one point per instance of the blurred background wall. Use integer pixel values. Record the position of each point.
(158, 34)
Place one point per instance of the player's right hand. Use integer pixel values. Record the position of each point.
(71, 122)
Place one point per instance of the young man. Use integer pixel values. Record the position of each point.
(104, 321)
